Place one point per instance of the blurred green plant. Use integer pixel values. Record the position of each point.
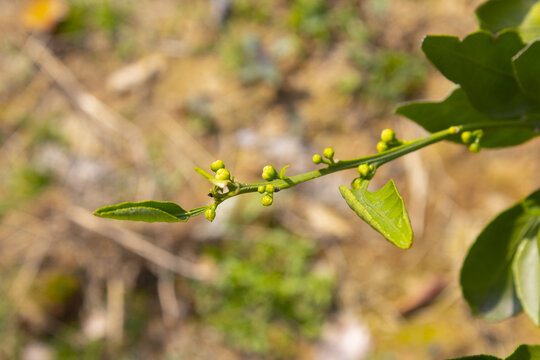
(85, 17)
(252, 63)
(268, 293)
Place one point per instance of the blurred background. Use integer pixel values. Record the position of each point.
(107, 101)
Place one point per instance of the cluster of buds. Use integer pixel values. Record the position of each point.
(326, 158)
(472, 139)
(269, 173)
(388, 141)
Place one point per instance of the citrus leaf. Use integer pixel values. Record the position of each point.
(496, 15)
(477, 357)
(383, 210)
(456, 109)
(482, 65)
(487, 280)
(526, 352)
(527, 69)
(149, 211)
(526, 268)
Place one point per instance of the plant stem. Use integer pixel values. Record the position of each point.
(380, 159)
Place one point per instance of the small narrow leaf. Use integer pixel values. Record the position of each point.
(383, 209)
(482, 65)
(220, 183)
(456, 109)
(149, 211)
(487, 280)
(527, 69)
(526, 268)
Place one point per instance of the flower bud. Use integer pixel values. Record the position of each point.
(216, 165)
(267, 200)
(474, 147)
(223, 174)
(382, 146)
(317, 159)
(467, 137)
(328, 153)
(364, 170)
(270, 188)
(261, 189)
(210, 214)
(269, 173)
(388, 135)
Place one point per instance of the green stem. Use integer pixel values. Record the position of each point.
(379, 159)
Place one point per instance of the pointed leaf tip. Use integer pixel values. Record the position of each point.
(383, 210)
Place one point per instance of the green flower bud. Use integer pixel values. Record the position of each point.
(364, 170)
(474, 148)
(328, 153)
(269, 173)
(267, 200)
(356, 183)
(453, 129)
(388, 135)
(382, 146)
(270, 188)
(261, 189)
(210, 214)
(317, 159)
(467, 137)
(216, 165)
(223, 174)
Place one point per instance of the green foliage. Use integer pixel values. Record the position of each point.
(527, 71)
(457, 109)
(482, 65)
(496, 15)
(85, 17)
(267, 292)
(383, 210)
(149, 211)
(492, 272)
(523, 352)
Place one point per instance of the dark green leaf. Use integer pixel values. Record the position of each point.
(526, 352)
(496, 15)
(482, 65)
(456, 109)
(526, 268)
(383, 209)
(149, 211)
(486, 276)
(527, 69)
(477, 357)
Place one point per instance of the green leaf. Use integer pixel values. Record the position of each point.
(477, 357)
(383, 209)
(496, 15)
(149, 211)
(530, 27)
(527, 70)
(456, 109)
(523, 352)
(487, 279)
(526, 268)
(526, 352)
(482, 65)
